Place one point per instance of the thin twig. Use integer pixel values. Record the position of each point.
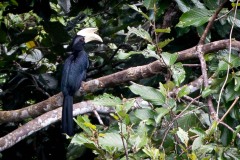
(230, 128)
(191, 65)
(98, 117)
(229, 109)
(124, 144)
(178, 116)
(229, 59)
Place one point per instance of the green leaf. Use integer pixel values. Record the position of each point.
(197, 143)
(165, 42)
(149, 4)
(236, 83)
(178, 73)
(140, 32)
(123, 55)
(80, 121)
(160, 113)
(111, 140)
(195, 17)
(206, 92)
(107, 100)
(198, 131)
(150, 94)
(144, 113)
(184, 7)
(138, 141)
(185, 90)
(169, 58)
(139, 11)
(230, 94)
(163, 30)
(183, 136)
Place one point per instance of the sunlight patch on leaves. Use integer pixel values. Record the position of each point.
(140, 32)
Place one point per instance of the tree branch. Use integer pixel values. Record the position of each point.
(131, 74)
(51, 117)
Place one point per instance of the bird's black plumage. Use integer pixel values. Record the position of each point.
(74, 72)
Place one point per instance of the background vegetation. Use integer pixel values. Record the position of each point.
(183, 104)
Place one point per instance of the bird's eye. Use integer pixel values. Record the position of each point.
(82, 39)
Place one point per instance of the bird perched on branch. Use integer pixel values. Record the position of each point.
(74, 72)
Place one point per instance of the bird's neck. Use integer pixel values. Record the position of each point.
(77, 53)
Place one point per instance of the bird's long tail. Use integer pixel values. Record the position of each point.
(67, 115)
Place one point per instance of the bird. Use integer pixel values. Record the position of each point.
(73, 73)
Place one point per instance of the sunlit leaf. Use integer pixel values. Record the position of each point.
(185, 90)
(165, 42)
(179, 73)
(140, 32)
(183, 135)
(150, 94)
(107, 100)
(195, 17)
(149, 4)
(164, 30)
(139, 11)
(169, 58)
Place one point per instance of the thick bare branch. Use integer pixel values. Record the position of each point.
(131, 74)
(51, 117)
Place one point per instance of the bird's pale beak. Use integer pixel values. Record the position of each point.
(90, 35)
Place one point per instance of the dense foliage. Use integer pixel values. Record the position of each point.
(171, 122)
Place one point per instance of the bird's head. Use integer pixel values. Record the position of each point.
(84, 36)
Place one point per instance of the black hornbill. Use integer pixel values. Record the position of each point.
(74, 72)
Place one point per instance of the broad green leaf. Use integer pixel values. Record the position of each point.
(140, 32)
(81, 139)
(150, 94)
(107, 100)
(90, 125)
(236, 20)
(163, 30)
(198, 131)
(185, 90)
(236, 83)
(195, 17)
(144, 113)
(183, 136)
(128, 104)
(184, 7)
(138, 141)
(139, 11)
(204, 149)
(206, 92)
(123, 55)
(152, 152)
(165, 42)
(149, 53)
(197, 143)
(111, 140)
(230, 94)
(162, 89)
(169, 58)
(178, 73)
(188, 121)
(149, 4)
(160, 113)
(80, 122)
